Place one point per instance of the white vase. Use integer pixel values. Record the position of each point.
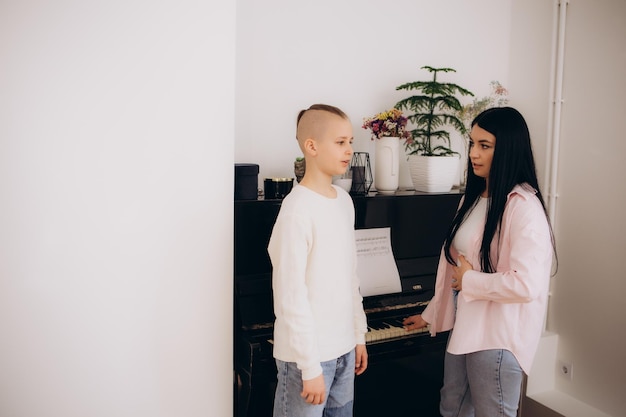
(433, 174)
(387, 164)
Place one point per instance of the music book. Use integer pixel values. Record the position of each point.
(376, 265)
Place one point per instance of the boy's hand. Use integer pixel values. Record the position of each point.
(313, 390)
(360, 359)
(414, 322)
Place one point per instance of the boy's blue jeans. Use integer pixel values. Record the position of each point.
(481, 384)
(339, 398)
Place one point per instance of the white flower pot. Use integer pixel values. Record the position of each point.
(433, 174)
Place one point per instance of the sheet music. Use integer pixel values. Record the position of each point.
(376, 266)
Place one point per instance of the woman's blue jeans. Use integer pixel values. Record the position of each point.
(481, 384)
(339, 398)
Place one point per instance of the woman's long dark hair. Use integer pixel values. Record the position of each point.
(512, 164)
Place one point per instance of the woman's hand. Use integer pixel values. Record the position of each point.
(458, 271)
(414, 322)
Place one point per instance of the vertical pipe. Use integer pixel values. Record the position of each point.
(554, 116)
(548, 163)
(558, 104)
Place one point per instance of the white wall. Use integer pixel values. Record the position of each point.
(353, 54)
(116, 213)
(530, 56)
(588, 304)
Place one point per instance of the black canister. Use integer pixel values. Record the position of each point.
(277, 188)
(246, 181)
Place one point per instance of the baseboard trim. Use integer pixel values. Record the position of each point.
(563, 405)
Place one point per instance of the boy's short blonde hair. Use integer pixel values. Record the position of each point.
(323, 107)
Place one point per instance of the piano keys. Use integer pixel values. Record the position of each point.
(383, 331)
(406, 367)
(389, 328)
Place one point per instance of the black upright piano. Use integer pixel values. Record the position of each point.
(405, 371)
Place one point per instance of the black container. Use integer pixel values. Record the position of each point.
(361, 173)
(246, 181)
(277, 188)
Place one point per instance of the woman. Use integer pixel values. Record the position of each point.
(494, 273)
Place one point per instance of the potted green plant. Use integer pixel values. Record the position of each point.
(299, 167)
(432, 161)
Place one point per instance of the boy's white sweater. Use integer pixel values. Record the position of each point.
(317, 303)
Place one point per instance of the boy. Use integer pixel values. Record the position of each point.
(319, 333)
